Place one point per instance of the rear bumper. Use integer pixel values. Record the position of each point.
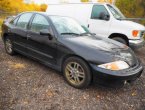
(103, 76)
(135, 44)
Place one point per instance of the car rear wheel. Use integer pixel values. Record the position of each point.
(9, 46)
(121, 40)
(77, 73)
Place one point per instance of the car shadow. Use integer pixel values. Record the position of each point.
(94, 86)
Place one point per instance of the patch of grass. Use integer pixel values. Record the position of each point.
(2, 17)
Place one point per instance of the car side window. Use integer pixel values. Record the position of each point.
(24, 20)
(39, 22)
(97, 10)
(14, 22)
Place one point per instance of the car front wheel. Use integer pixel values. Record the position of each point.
(77, 72)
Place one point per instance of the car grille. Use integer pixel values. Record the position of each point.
(127, 56)
(142, 34)
(133, 59)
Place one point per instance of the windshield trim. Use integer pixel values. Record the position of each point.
(116, 10)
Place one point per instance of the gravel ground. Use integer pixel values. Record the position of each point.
(27, 85)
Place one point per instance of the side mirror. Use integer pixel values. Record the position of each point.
(104, 16)
(46, 32)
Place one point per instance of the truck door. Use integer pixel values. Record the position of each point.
(99, 21)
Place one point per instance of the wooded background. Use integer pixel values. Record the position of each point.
(130, 8)
(16, 6)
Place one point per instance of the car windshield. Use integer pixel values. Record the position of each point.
(116, 12)
(66, 25)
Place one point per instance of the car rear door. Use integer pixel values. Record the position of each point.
(40, 46)
(20, 32)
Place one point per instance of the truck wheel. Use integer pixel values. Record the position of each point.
(121, 40)
(9, 46)
(77, 73)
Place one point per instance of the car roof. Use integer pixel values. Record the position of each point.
(39, 12)
(43, 13)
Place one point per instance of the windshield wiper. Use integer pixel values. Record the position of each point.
(82, 34)
(70, 34)
(86, 33)
(138, 19)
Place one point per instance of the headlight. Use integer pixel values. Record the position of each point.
(135, 33)
(117, 65)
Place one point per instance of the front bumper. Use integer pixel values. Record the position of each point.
(103, 76)
(135, 44)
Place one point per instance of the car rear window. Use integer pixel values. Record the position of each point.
(23, 20)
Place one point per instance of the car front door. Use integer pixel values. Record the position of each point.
(98, 25)
(40, 46)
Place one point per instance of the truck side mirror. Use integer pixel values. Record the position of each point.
(104, 16)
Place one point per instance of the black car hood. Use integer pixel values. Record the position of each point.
(97, 43)
(99, 50)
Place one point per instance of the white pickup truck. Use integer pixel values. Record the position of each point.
(104, 20)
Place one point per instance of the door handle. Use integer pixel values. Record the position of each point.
(28, 36)
(88, 25)
(9, 30)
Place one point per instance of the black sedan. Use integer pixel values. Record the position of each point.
(63, 44)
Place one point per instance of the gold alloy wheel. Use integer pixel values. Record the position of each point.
(8, 45)
(75, 73)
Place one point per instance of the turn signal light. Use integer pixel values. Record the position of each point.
(135, 33)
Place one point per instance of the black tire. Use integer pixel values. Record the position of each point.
(9, 46)
(121, 40)
(82, 66)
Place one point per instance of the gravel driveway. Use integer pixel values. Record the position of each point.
(28, 85)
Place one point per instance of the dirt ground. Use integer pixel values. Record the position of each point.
(28, 85)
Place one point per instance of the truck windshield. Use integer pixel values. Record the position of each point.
(67, 26)
(116, 12)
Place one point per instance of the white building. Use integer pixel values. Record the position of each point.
(55, 1)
